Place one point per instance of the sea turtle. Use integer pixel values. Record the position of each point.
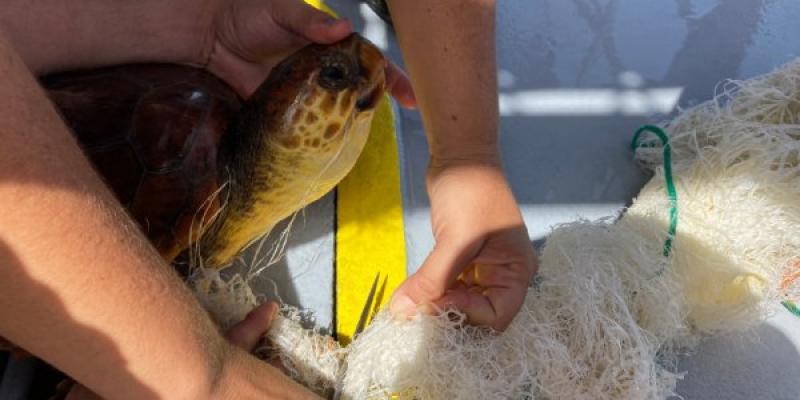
(198, 167)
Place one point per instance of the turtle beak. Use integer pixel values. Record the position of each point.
(373, 70)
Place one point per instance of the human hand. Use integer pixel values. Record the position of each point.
(247, 38)
(483, 260)
(245, 335)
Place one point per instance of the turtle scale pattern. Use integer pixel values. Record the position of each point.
(153, 132)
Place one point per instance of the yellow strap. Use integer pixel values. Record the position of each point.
(321, 5)
(369, 226)
(369, 223)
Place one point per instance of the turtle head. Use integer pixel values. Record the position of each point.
(317, 137)
(353, 67)
(297, 137)
(317, 104)
(332, 104)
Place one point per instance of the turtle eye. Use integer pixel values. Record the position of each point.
(333, 77)
(331, 73)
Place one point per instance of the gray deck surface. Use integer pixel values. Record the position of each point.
(577, 77)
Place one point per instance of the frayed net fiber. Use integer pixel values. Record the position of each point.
(608, 313)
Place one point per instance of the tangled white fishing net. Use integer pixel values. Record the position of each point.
(608, 313)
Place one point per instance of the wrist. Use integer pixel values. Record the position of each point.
(481, 155)
(476, 176)
(228, 377)
(462, 141)
(243, 376)
(477, 159)
(184, 31)
(472, 192)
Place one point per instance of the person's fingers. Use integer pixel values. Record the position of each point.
(489, 294)
(63, 389)
(506, 302)
(244, 77)
(249, 47)
(493, 307)
(472, 302)
(488, 275)
(432, 279)
(398, 84)
(309, 23)
(247, 333)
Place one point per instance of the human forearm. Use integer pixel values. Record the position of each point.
(80, 286)
(56, 35)
(449, 50)
(482, 260)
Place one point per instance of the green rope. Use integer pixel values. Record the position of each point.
(791, 307)
(673, 196)
(671, 192)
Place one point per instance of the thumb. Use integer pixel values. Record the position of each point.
(247, 333)
(310, 23)
(431, 281)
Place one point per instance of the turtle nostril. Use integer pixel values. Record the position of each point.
(369, 100)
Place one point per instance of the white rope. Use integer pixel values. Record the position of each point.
(609, 314)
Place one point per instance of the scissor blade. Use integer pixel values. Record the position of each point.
(362, 320)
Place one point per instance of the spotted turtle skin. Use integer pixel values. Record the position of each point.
(199, 168)
(154, 133)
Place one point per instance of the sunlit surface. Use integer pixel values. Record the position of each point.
(589, 102)
(374, 28)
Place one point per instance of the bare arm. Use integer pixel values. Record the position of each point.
(81, 287)
(449, 50)
(482, 261)
(56, 35)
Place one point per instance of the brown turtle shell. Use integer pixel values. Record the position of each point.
(153, 132)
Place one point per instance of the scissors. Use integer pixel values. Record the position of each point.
(374, 298)
(372, 304)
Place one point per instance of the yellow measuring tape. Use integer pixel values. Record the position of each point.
(369, 224)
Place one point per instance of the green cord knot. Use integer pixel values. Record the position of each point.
(671, 192)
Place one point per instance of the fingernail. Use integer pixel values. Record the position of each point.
(338, 23)
(273, 312)
(428, 309)
(402, 306)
